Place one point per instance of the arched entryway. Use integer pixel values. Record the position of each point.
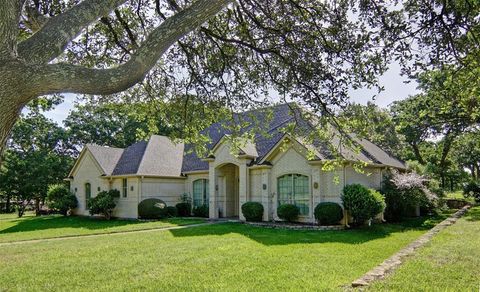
(228, 190)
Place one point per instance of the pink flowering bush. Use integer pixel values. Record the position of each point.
(404, 192)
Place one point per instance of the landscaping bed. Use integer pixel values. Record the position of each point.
(294, 225)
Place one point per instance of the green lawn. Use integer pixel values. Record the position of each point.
(450, 262)
(31, 227)
(221, 257)
(455, 195)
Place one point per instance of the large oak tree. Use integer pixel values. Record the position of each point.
(312, 50)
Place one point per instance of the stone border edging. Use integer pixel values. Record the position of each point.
(393, 262)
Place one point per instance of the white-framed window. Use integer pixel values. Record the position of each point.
(294, 189)
(124, 188)
(200, 192)
(88, 193)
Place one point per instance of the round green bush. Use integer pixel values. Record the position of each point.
(362, 203)
(103, 203)
(201, 211)
(152, 208)
(288, 212)
(328, 213)
(172, 211)
(184, 209)
(472, 190)
(61, 199)
(253, 211)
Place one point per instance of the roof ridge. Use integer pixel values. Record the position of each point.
(102, 146)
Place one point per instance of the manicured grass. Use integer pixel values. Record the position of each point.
(450, 262)
(221, 257)
(31, 227)
(455, 195)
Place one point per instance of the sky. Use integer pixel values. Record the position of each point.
(395, 89)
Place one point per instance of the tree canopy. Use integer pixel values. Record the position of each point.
(232, 52)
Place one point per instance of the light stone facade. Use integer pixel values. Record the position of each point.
(233, 180)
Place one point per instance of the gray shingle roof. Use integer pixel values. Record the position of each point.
(131, 158)
(282, 115)
(161, 157)
(107, 157)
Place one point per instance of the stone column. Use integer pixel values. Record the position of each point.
(212, 179)
(266, 199)
(242, 187)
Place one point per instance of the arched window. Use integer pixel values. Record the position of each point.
(200, 192)
(88, 192)
(293, 189)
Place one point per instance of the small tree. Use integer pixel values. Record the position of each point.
(61, 199)
(362, 203)
(103, 203)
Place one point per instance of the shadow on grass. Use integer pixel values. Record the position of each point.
(269, 236)
(58, 222)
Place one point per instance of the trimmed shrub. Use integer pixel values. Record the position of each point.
(172, 211)
(288, 212)
(103, 203)
(184, 209)
(328, 213)
(61, 199)
(201, 211)
(362, 203)
(152, 208)
(253, 211)
(472, 190)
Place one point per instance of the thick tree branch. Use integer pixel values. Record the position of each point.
(70, 78)
(50, 41)
(9, 17)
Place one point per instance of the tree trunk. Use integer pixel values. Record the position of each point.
(472, 171)
(37, 207)
(417, 153)
(21, 209)
(9, 114)
(7, 204)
